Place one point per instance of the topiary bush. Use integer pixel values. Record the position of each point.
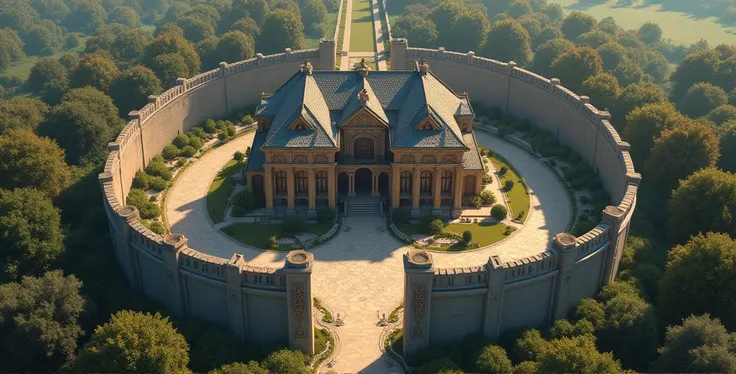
(181, 141)
(467, 236)
(487, 179)
(499, 212)
(188, 151)
(158, 228)
(141, 180)
(508, 185)
(158, 183)
(401, 215)
(325, 215)
(170, 152)
(222, 137)
(504, 169)
(426, 221)
(247, 120)
(197, 132)
(294, 224)
(195, 142)
(487, 198)
(137, 198)
(158, 169)
(209, 126)
(474, 201)
(149, 211)
(435, 227)
(238, 156)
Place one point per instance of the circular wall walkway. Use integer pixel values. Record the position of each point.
(360, 273)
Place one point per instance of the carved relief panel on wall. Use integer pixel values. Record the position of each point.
(300, 158)
(278, 159)
(407, 158)
(449, 159)
(419, 301)
(429, 159)
(297, 305)
(321, 158)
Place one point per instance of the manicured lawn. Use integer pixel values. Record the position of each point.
(259, 235)
(484, 233)
(321, 337)
(311, 41)
(518, 198)
(361, 28)
(220, 190)
(682, 28)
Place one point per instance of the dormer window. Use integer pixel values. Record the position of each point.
(427, 125)
(300, 125)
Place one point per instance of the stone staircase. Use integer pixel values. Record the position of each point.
(362, 207)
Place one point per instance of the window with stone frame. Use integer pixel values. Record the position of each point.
(321, 182)
(405, 180)
(301, 181)
(279, 179)
(425, 182)
(447, 181)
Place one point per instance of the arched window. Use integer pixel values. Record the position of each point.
(321, 182)
(300, 179)
(280, 182)
(425, 182)
(447, 181)
(405, 181)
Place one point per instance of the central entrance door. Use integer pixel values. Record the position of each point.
(363, 148)
(363, 181)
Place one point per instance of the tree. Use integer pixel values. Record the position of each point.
(21, 113)
(646, 123)
(95, 70)
(658, 67)
(134, 342)
(128, 46)
(469, 30)
(167, 44)
(554, 12)
(11, 48)
(30, 233)
(508, 41)
(680, 151)
(55, 10)
(499, 212)
(703, 202)
(493, 359)
(39, 322)
(694, 68)
(594, 38)
(577, 354)
(722, 114)
(48, 74)
(700, 345)
(592, 311)
(17, 15)
(577, 23)
(547, 53)
(96, 101)
(609, 26)
(519, 8)
(701, 98)
(314, 14)
(602, 89)
(124, 15)
(240, 368)
(206, 51)
(247, 26)
(80, 131)
(170, 67)
(257, 9)
(43, 38)
(281, 29)
(650, 33)
(576, 65)
(235, 46)
(633, 96)
(612, 54)
(132, 88)
(86, 16)
(29, 161)
(286, 362)
(196, 29)
(727, 136)
(444, 16)
(628, 72)
(419, 29)
(701, 271)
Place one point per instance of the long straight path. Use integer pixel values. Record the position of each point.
(345, 61)
(360, 273)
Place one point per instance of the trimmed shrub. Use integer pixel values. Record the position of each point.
(231, 130)
(158, 183)
(209, 126)
(474, 201)
(499, 212)
(137, 198)
(401, 215)
(158, 227)
(141, 180)
(170, 152)
(503, 170)
(325, 215)
(294, 224)
(425, 222)
(149, 211)
(487, 197)
(195, 142)
(508, 185)
(181, 162)
(181, 141)
(188, 151)
(274, 242)
(245, 200)
(247, 120)
(222, 137)
(436, 227)
(467, 236)
(197, 132)
(158, 169)
(238, 156)
(487, 179)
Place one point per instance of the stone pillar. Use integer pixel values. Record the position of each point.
(351, 183)
(437, 191)
(327, 54)
(268, 190)
(235, 300)
(399, 54)
(614, 217)
(509, 70)
(290, 191)
(331, 188)
(172, 245)
(567, 249)
(494, 297)
(127, 255)
(223, 72)
(136, 116)
(395, 187)
(418, 274)
(374, 186)
(312, 193)
(298, 277)
(457, 202)
(415, 191)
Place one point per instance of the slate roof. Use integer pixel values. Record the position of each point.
(471, 158)
(257, 157)
(403, 99)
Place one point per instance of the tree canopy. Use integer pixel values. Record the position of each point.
(132, 88)
(95, 70)
(633, 96)
(22, 113)
(576, 65)
(701, 344)
(170, 43)
(419, 29)
(701, 98)
(235, 46)
(577, 23)
(281, 29)
(27, 160)
(547, 53)
(509, 41)
(646, 123)
(577, 354)
(602, 89)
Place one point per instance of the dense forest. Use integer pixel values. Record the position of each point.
(63, 297)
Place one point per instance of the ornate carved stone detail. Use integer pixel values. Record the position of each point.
(279, 159)
(449, 159)
(300, 158)
(321, 158)
(407, 158)
(297, 301)
(419, 300)
(429, 159)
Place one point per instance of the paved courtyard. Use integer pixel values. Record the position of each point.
(360, 272)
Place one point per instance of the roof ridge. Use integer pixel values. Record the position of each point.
(309, 111)
(447, 126)
(276, 130)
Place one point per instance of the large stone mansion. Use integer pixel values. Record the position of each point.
(327, 136)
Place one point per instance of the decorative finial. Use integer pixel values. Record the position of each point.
(363, 96)
(363, 68)
(306, 67)
(423, 66)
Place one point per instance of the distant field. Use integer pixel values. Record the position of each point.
(331, 21)
(361, 27)
(682, 28)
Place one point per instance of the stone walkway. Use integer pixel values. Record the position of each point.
(345, 62)
(360, 271)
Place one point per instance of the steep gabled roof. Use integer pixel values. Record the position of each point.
(354, 105)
